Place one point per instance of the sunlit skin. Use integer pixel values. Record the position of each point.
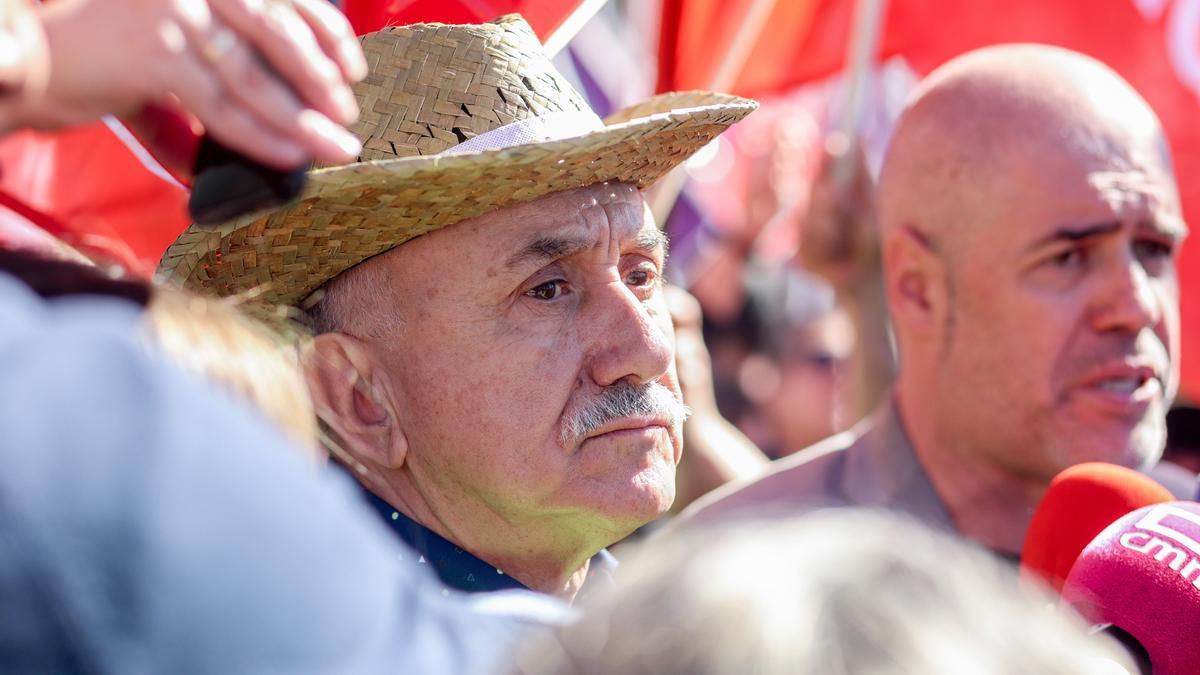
(1031, 227)
(507, 322)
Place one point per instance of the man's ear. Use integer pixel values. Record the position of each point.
(918, 289)
(350, 394)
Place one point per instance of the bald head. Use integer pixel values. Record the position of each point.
(986, 127)
(1030, 229)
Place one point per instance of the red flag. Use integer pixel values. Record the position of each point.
(369, 15)
(100, 196)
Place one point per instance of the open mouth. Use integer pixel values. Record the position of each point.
(1126, 389)
(1125, 385)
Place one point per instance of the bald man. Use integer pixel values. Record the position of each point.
(1030, 225)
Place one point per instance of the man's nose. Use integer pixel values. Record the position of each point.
(1127, 302)
(632, 339)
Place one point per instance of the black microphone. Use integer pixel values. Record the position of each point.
(228, 184)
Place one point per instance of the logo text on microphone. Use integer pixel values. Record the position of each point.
(1168, 535)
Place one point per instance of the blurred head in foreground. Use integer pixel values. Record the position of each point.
(836, 592)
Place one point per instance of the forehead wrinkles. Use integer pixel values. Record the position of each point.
(595, 215)
(610, 211)
(608, 200)
(1125, 191)
(577, 210)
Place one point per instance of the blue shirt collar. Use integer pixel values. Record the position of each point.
(462, 571)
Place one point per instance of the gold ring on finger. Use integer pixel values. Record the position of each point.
(218, 46)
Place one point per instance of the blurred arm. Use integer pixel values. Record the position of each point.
(270, 78)
(714, 451)
(839, 241)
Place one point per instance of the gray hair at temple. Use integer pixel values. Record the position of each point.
(837, 592)
(355, 302)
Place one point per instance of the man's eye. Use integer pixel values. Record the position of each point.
(1151, 249)
(640, 277)
(1154, 255)
(551, 290)
(1070, 258)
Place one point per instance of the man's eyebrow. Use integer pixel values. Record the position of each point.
(1077, 234)
(1174, 228)
(546, 248)
(650, 240)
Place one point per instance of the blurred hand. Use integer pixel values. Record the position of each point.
(838, 236)
(269, 78)
(715, 452)
(839, 241)
(24, 63)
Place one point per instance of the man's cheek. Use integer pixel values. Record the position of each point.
(670, 380)
(662, 318)
(1168, 328)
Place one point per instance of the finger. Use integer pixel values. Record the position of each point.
(265, 96)
(336, 37)
(285, 41)
(244, 76)
(238, 130)
(330, 141)
(201, 92)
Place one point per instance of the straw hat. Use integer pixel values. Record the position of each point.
(457, 121)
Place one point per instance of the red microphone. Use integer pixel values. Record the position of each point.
(1142, 575)
(1081, 501)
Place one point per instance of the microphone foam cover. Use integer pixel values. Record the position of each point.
(1142, 575)
(1081, 501)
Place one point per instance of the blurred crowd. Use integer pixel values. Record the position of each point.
(408, 418)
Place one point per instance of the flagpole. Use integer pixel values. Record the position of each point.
(874, 369)
(861, 52)
(571, 26)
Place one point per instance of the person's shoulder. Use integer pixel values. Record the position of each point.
(807, 479)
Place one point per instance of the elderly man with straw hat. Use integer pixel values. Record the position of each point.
(493, 351)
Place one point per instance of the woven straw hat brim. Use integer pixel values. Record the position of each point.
(351, 213)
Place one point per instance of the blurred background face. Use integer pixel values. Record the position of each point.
(1062, 342)
(515, 322)
(808, 403)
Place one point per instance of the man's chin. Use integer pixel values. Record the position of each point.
(1137, 446)
(643, 497)
(648, 498)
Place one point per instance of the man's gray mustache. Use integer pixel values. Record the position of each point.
(623, 399)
